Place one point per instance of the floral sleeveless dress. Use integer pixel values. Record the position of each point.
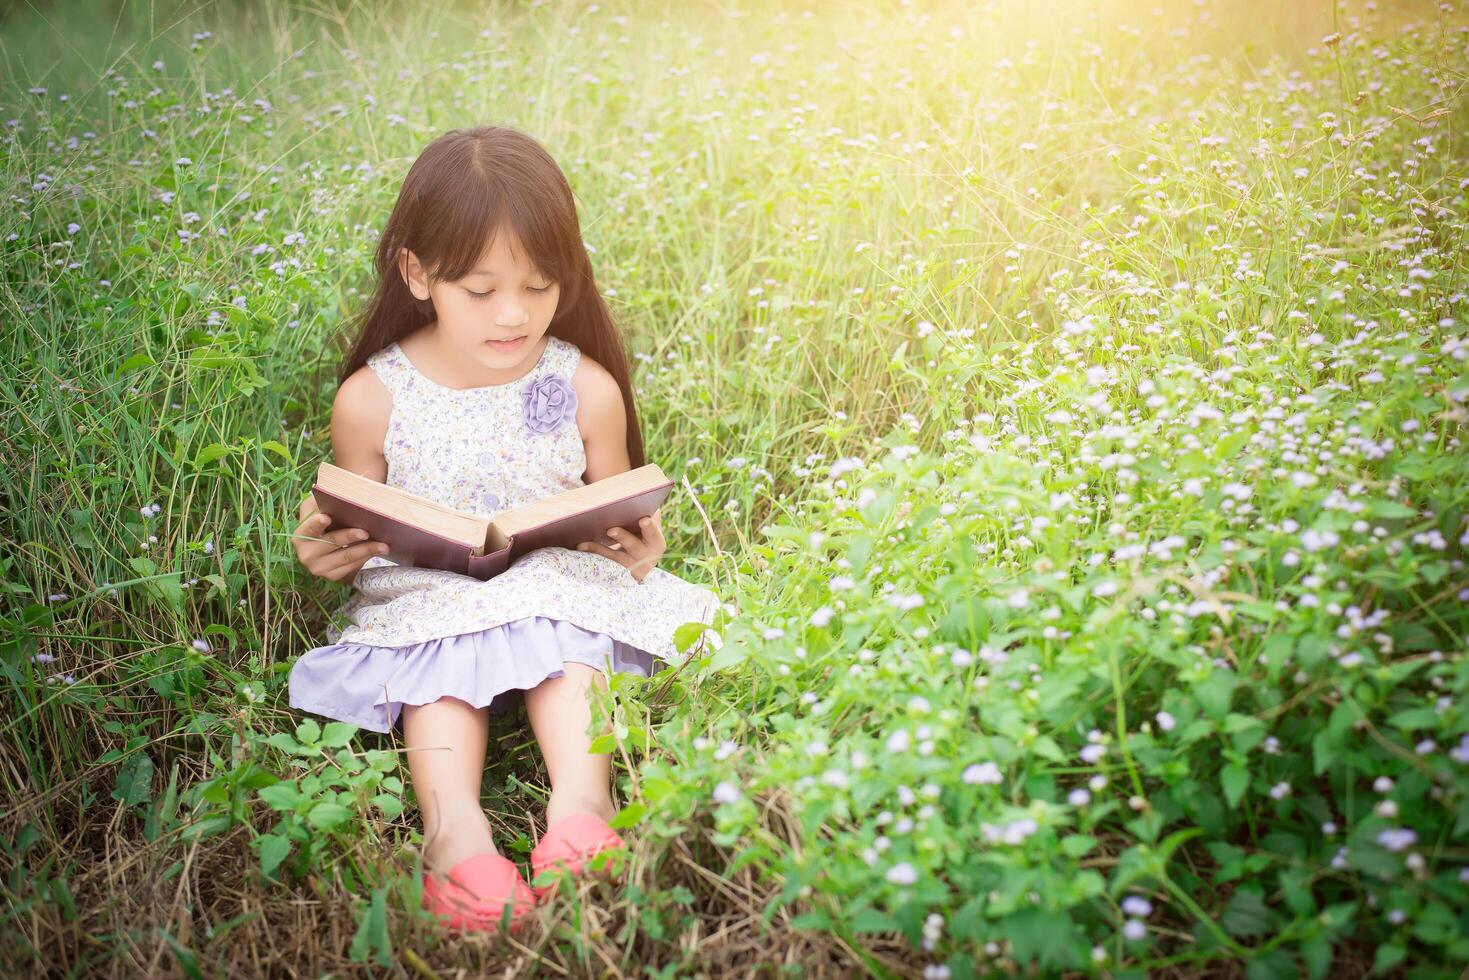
(413, 635)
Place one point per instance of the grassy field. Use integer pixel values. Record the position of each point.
(1068, 400)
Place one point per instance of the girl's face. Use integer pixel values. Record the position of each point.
(503, 298)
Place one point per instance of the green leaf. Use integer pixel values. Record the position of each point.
(1075, 845)
(372, 932)
(209, 454)
(1235, 779)
(284, 742)
(1215, 693)
(278, 449)
(1039, 936)
(327, 815)
(273, 851)
(873, 920)
(134, 780)
(382, 760)
(628, 816)
(1246, 731)
(219, 629)
(813, 921)
(1388, 956)
(337, 734)
(1274, 965)
(308, 732)
(602, 744)
(686, 633)
(1339, 916)
(135, 362)
(207, 827)
(1247, 914)
(1045, 746)
(61, 893)
(1174, 840)
(729, 655)
(1236, 722)
(1227, 447)
(284, 795)
(1324, 750)
(1389, 509)
(1296, 885)
(1316, 951)
(1414, 718)
(391, 806)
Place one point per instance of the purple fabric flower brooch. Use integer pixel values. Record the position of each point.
(548, 404)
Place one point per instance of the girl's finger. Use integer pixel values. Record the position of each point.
(309, 527)
(346, 536)
(631, 543)
(327, 543)
(653, 531)
(354, 555)
(313, 530)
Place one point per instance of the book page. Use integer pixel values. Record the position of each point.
(508, 523)
(410, 508)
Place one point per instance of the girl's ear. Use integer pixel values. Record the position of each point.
(412, 274)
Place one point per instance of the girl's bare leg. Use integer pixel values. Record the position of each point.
(446, 757)
(560, 715)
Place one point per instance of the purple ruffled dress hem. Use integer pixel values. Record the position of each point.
(368, 685)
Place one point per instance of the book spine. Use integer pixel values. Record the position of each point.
(485, 567)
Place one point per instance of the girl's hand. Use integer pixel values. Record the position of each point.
(337, 556)
(638, 554)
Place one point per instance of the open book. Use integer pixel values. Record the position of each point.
(426, 534)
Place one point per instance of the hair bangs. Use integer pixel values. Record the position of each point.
(482, 213)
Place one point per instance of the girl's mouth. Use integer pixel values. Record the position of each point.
(506, 344)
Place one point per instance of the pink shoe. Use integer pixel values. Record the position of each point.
(574, 841)
(479, 889)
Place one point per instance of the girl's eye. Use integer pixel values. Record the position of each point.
(544, 289)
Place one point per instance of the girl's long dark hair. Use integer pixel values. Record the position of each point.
(462, 188)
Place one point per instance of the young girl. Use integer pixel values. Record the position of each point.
(488, 373)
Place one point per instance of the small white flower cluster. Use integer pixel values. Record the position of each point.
(982, 774)
(1397, 839)
(933, 931)
(726, 792)
(1014, 832)
(902, 873)
(844, 465)
(904, 602)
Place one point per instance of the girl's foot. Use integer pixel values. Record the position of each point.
(563, 804)
(569, 843)
(481, 893)
(461, 836)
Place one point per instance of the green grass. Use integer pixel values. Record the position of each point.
(1068, 400)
